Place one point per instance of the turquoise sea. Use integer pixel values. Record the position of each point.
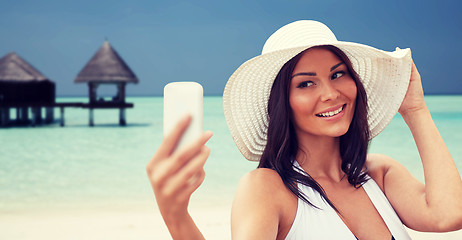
(76, 166)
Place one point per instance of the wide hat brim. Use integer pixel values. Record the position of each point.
(385, 76)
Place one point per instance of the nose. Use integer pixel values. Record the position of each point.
(329, 92)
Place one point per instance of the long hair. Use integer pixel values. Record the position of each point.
(282, 145)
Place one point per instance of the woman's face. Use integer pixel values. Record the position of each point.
(322, 95)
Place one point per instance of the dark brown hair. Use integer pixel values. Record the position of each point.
(282, 144)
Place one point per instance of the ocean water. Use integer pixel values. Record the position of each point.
(76, 166)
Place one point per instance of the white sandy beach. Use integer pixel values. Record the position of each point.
(141, 223)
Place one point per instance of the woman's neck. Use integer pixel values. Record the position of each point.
(320, 157)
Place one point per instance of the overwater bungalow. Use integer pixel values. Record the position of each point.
(23, 87)
(106, 67)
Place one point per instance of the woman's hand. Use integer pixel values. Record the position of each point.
(414, 99)
(175, 175)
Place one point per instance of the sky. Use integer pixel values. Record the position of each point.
(207, 40)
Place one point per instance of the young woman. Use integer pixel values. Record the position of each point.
(306, 109)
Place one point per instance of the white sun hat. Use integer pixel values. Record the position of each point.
(385, 76)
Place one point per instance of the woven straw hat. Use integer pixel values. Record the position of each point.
(385, 76)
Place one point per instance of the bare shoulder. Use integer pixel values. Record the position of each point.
(260, 205)
(261, 175)
(261, 183)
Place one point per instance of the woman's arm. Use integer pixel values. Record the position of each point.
(437, 205)
(174, 176)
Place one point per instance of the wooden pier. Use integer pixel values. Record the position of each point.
(24, 89)
(35, 109)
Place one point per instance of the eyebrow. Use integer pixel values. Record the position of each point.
(313, 73)
(304, 74)
(336, 66)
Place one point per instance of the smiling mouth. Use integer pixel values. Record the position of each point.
(331, 113)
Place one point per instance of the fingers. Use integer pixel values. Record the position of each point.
(187, 179)
(182, 156)
(414, 98)
(170, 141)
(414, 71)
(192, 186)
(178, 160)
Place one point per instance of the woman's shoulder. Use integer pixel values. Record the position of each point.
(262, 202)
(263, 186)
(261, 174)
(262, 181)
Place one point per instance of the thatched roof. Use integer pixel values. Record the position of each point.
(106, 66)
(15, 69)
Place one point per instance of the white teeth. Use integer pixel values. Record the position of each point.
(331, 113)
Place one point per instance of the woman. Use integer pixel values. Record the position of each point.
(306, 109)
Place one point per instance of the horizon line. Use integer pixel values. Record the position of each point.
(221, 95)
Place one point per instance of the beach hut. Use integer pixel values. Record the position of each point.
(23, 87)
(106, 67)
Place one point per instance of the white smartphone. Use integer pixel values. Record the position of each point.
(181, 98)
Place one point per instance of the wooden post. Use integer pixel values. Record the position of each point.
(22, 115)
(18, 115)
(122, 121)
(91, 123)
(38, 114)
(7, 113)
(4, 116)
(25, 114)
(34, 115)
(121, 92)
(49, 116)
(92, 94)
(62, 116)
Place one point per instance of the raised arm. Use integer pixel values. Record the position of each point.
(174, 176)
(437, 205)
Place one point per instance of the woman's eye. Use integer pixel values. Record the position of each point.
(337, 75)
(305, 84)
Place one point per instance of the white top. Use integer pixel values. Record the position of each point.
(325, 223)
